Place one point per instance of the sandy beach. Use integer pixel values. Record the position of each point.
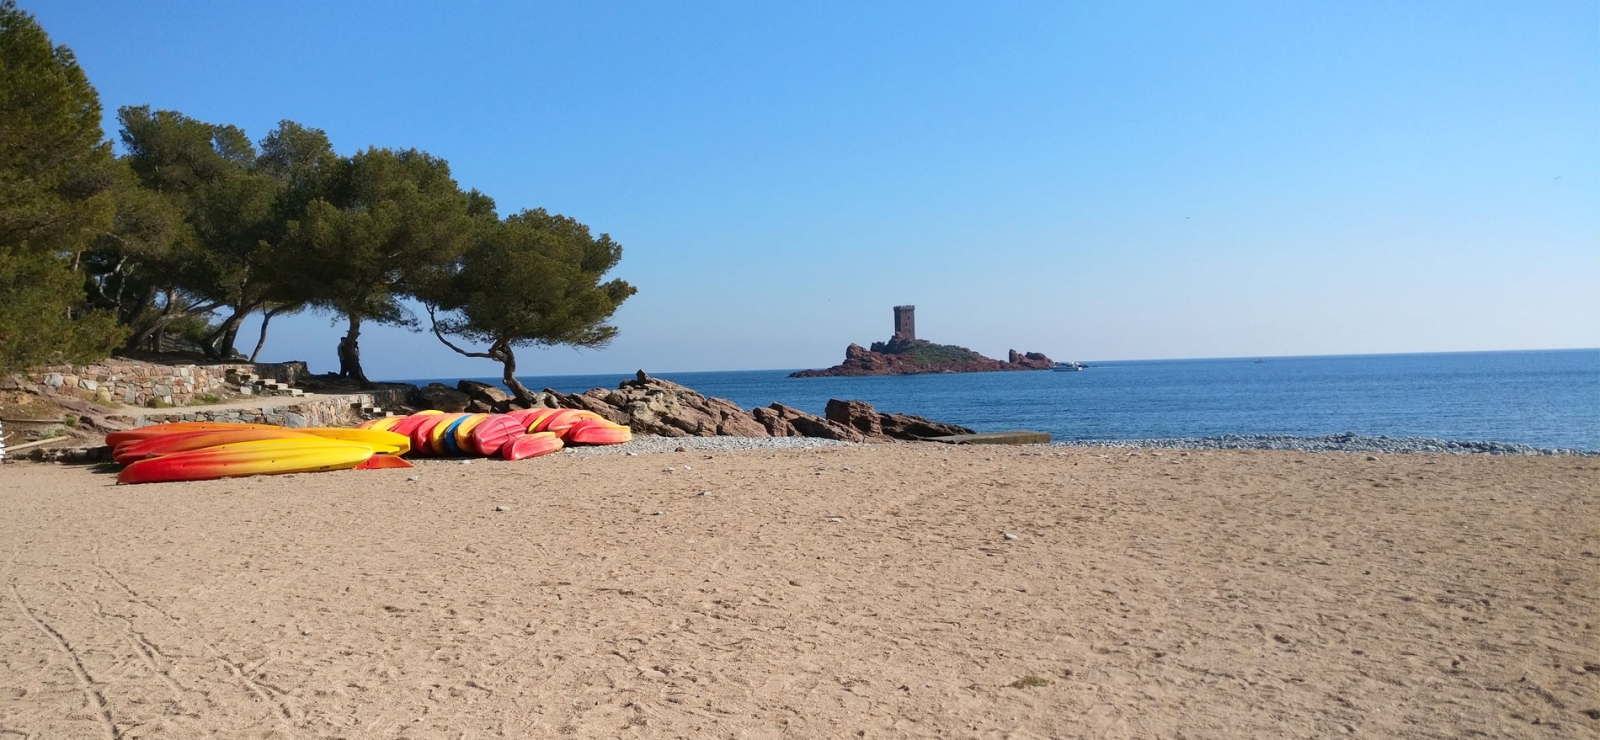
(879, 591)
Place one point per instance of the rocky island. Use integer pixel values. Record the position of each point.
(905, 354)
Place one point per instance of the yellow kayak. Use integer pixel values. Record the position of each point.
(381, 442)
(260, 457)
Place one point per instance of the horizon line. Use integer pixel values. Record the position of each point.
(1087, 362)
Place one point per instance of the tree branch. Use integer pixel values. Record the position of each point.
(433, 320)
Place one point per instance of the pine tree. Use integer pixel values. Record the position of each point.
(56, 176)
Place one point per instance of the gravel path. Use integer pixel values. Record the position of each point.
(1347, 442)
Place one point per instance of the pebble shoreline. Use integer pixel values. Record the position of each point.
(645, 445)
(1347, 442)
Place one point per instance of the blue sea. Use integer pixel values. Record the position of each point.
(1541, 398)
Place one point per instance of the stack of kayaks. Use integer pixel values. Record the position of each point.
(206, 450)
(514, 436)
(203, 451)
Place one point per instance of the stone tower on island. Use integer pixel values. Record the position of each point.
(905, 324)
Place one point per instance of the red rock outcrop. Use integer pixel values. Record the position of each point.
(860, 415)
(1031, 360)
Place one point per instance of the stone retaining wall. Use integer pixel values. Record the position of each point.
(314, 411)
(138, 383)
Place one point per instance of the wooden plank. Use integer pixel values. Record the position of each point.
(36, 443)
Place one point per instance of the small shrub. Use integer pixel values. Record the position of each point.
(71, 421)
(156, 403)
(205, 399)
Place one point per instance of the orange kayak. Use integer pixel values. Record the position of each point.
(167, 444)
(156, 430)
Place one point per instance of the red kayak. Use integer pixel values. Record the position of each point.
(492, 433)
(530, 445)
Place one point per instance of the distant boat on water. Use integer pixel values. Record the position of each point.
(1068, 367)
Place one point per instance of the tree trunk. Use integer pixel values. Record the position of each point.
(266, 318)
(350, 354)
(230, 338)
(151, 333)
(502, 352)
(218, 345)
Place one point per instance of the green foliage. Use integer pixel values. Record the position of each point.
(55, 176)
(388, 215)
(532, 279)
(205, 399)
(938, 353)
(38, 326)
(156, 403)
(70, 420)
(923, 352)
(173, 153)
(197, 223)
(237, 206)
(54, 161)
(389, 223)
(129, 264)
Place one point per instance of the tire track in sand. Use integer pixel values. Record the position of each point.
(93, 694)
(138, 641)
(255, 688)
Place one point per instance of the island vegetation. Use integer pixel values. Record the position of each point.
(194, 227)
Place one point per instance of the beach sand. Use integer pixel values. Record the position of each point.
(847, 592)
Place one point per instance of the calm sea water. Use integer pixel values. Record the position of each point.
(1546, 398)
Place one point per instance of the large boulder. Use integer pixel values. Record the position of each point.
(858, 415)
(588, 402)
(733, 421)
(908, 427)
(862, 417)
(1031, 360)
(654, 406)
(484, 393)
(773, 421)
(816, 426)
(442, 397)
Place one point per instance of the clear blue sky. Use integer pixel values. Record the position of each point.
(1091, 180)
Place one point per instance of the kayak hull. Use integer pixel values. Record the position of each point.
(531, 445)
(591, 432)
(381, 442)
(263, 457)
(179, 441)
(158, 430)
(492, 433)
